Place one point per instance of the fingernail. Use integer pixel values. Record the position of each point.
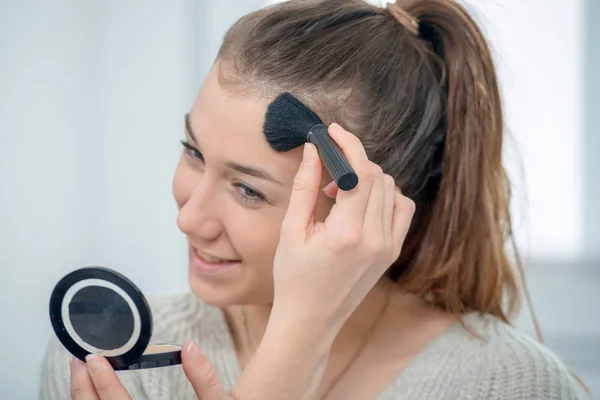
(77, 365)
(307, 155)
(194, 351)
(94, 364)
(329, 186)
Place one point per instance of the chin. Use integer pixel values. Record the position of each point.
(219, 294)
(219, 291)
(226, 292)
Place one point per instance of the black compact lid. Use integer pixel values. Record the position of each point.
(97, 310)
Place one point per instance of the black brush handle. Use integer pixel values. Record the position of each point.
(339, 168)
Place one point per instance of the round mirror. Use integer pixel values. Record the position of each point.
(101, 317)
(97, 310)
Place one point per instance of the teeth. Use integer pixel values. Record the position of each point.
(209, 258)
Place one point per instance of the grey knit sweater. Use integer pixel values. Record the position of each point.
(504, 365)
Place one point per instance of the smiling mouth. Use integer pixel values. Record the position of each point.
(212, 259)
(205, 264)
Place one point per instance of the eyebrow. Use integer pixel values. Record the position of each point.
(244, 169)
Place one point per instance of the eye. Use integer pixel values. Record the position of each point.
(191, 151)
(247, 194)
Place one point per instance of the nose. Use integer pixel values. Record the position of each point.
(200, 215)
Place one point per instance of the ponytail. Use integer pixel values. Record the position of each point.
(464, 245)
(470, 218)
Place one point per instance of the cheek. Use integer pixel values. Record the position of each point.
(255, 236)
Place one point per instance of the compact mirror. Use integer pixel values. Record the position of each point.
(97, 310)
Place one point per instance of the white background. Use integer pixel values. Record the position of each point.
(92, 97)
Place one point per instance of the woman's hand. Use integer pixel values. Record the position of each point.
(96, 380)
(323, 270)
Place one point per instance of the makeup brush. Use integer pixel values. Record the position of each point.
(289, 124)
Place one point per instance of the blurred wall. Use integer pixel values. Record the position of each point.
(591, 40)
(92, 97)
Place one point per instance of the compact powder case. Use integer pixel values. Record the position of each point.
(97, 310)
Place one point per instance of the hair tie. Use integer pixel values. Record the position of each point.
(409, 23)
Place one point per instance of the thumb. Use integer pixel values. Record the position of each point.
(202, 374)
(305, 192)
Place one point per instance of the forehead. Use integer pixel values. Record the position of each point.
(229, 127)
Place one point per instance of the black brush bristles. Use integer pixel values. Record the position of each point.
(289, 124)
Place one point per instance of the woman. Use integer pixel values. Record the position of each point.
(303, 293)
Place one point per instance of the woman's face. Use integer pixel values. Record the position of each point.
(232, 191)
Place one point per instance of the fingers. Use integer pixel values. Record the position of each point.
(303, 201)
(105, 380)
(404, 209)
(375, 205)
(352, 204)
(373, 223)
(389, 187)
(202, 374)
(82, 387)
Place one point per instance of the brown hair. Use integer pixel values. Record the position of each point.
(417, 84)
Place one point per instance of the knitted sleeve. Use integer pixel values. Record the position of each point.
(521, 368)
(55, 372)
